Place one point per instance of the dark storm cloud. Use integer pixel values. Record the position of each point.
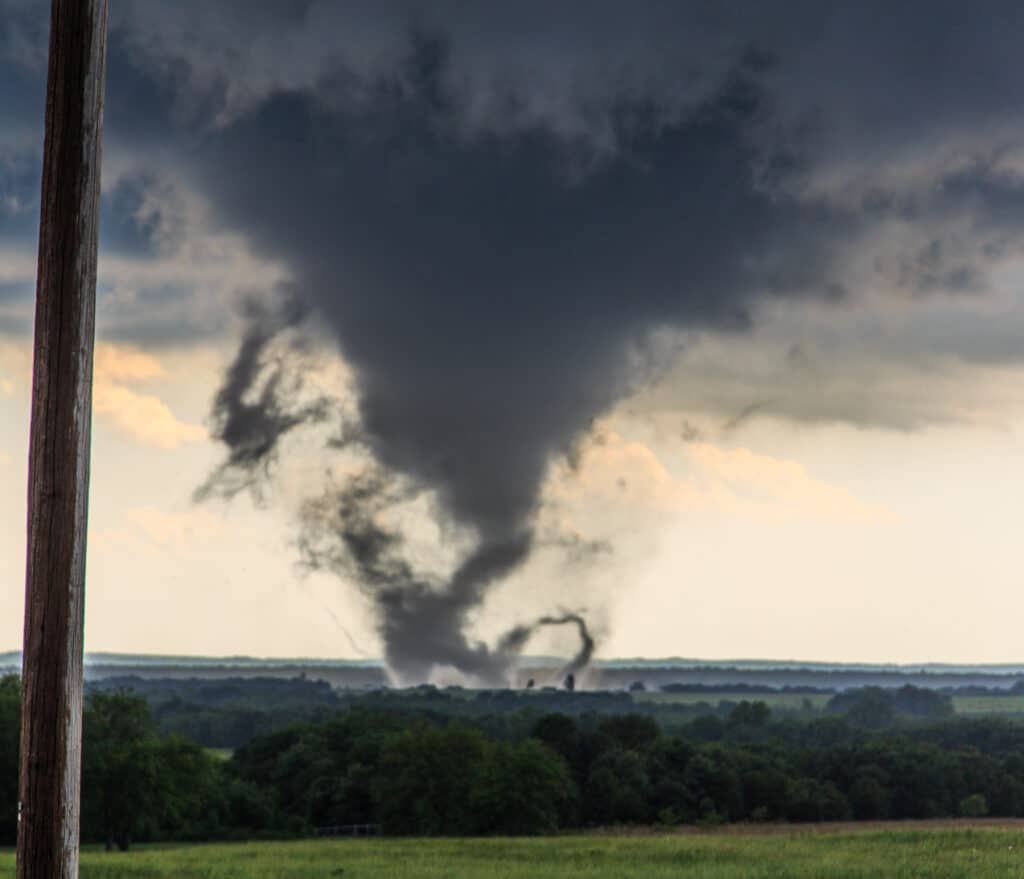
(22, 95)
(487, 298)
(126, 228)
(490, 207)
(485, 301)
(871, 75)
(23, 36)
(490, 245)
(23, 33)
(159, 316)
(14, 291)
(141, 127)
(881, 77)
(19, 198)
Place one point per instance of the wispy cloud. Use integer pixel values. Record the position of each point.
(143, 416)
(628, 476)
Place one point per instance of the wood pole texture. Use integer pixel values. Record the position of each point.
(58, 479)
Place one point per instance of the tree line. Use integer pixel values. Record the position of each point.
(429, 775)
(228, 712)
(874, 755)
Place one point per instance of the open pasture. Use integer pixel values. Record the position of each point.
(939, 852)
(1010, 704)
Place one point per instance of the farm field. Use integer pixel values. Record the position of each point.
(923, 852)
(969, 706)
(976, 705)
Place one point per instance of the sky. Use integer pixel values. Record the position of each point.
(418, 322)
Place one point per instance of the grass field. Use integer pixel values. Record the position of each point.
(972, 706)
(922, 853)
(975, 705)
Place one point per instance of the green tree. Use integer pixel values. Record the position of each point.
(618, 789)
(754, 714)
(922, 703)
(974, 806)
(869, 795)
(868, 707)
(120, 797)
(426, 779)
(666, 767)
(765, 788)
(190, 788)
(811, 800)
(250, 808)
(713, 779)
(303, 773)
(523, 788)
(635, 732)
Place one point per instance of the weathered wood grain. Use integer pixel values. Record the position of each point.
(58, 482)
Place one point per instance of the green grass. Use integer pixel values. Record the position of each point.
(975, 705)
(941, 853)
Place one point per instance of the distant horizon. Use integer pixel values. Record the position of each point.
(99, 657)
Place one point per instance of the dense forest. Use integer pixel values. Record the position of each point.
(424, 762)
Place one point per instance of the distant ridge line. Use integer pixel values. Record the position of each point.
(12, 660)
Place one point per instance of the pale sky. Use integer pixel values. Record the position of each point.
(810, 450)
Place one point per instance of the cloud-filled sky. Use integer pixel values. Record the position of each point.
(704, 318)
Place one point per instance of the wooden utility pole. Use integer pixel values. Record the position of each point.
(58, 472)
